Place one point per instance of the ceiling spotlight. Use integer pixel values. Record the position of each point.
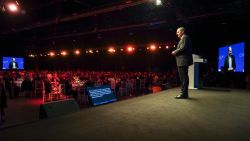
(91, 51)
(77, 52)
(12, 6)
(152, 47)
(31, 55)
(130, 49)
(111, 50)
(51, 54)
(158, 2)
(63, 53)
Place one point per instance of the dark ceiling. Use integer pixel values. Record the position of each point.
(56, 24)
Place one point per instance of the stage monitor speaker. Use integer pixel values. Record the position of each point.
(166, 86)
(57, 108)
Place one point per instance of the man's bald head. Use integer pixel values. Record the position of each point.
(180, 31)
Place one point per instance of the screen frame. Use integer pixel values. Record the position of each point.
(21, 67)
(222, 56)
(96, 101)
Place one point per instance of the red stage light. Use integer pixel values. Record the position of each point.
(77, 52)
(12, 6)
(130, 49)
(111, 50)
(51, 54)
(152, 47)
(64, 53)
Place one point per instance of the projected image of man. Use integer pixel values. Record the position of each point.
(13, 64)
(229, 63)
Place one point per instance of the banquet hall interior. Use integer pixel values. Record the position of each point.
(103, 70)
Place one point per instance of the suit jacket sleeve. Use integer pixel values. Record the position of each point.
(17, 65)
(226, 63)
(10, 65)
(182, 45)
(234, 64)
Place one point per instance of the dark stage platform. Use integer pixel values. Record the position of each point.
(209, 115)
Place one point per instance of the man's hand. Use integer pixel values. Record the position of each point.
(173, 53)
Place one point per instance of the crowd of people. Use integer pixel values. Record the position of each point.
(25, 80)
(22, 83)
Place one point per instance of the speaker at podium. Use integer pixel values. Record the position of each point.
(193, 72)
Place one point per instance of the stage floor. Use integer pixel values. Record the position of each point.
(209, 115)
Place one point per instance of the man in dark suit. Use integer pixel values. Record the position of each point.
(184, 59)
(229, 63)
(229, 66)
(13, 64)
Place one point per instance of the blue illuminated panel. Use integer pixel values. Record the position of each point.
(7, 61)
(101, 95)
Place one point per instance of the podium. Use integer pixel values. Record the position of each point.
(193, 72)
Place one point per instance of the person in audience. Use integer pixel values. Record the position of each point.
(27, 86)
(48, 84)
(55, 78)
(3, 100)
(37, 77)
(9, 84)
(68, 84)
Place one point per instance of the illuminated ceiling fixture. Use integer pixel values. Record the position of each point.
(11, 6)
(51, 54)
(158, 2)
(63, 53)
(31, 55)
(91, 51)
(111, 50)
(152, 47)
(77, 52)
(130, 49)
